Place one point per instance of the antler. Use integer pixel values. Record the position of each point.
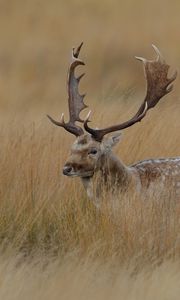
(75, 100)
(158, 85)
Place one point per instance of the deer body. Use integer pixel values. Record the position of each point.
(149, 177)
(144, 177)
(163, 173)
(159, 177)
(91, 153)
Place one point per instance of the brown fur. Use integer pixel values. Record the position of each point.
(153, 175)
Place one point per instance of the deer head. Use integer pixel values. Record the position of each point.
(92, 146)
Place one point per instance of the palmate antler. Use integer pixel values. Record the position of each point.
(75, 100)
(158, 85)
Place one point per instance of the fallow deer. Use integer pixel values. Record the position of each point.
(91, 153)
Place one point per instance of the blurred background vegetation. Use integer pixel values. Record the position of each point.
(37, 36)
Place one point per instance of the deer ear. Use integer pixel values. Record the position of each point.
(116, 138)
(112, 140)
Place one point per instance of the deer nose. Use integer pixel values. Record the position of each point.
(67, 170)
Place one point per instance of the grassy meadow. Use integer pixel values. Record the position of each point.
(54, 243)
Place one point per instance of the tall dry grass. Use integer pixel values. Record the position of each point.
(54, 243)
(52, 234)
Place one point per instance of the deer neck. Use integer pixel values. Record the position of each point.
(113, 170)
(112, 174)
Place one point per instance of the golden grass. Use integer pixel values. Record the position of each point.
(54, 243)
(40, 206)
(51, 233)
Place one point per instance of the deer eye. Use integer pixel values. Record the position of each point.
(93, 151)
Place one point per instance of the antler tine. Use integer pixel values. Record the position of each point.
(77, 51)
(75, 100)
(158, 85)
(159, 54)
(56, 122)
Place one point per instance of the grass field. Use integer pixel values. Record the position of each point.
(54, 243)
(53, 240)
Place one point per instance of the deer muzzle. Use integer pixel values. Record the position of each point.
(78, 170)
(67, 170)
